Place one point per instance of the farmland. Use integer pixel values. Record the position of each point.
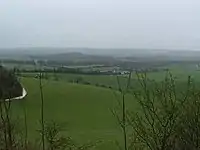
(72, 104)
(82, 101)
(87, 117)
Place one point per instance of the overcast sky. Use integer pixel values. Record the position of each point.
(166, 24)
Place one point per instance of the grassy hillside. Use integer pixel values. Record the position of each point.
(85, 110)
(105, 80)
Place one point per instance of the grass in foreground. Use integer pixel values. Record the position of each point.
(84, 109)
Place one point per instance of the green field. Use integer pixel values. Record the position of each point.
(84, 109)
(87, 116)
(179, 71)
(106, 80)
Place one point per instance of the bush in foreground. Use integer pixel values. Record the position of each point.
(167, 117)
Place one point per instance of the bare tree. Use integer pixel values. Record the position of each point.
(42, 110)
(154, 125)
(120, 111)
(189, 123)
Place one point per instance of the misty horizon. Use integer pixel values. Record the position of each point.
(172, 24)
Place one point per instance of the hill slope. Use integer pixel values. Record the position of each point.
(84, 109)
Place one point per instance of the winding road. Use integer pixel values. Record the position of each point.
(24, 93)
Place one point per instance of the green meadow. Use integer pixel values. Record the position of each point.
(84, 110)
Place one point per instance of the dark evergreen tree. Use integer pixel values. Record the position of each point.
(9, 84)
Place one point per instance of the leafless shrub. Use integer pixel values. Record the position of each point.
(155, 124)
(120, 112)
(55, 140)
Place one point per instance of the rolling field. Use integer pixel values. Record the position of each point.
(106, 80)
(84, 109)
(179, 71)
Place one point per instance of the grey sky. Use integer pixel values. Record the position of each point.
(168, 24)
